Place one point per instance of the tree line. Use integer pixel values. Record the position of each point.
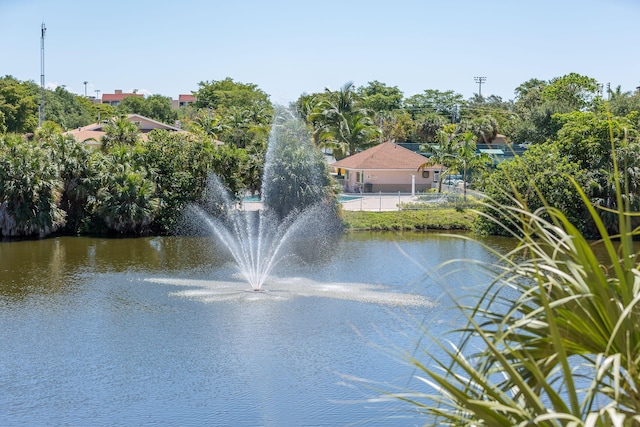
(575, 130)
(50, 183)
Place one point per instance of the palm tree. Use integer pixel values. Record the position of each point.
(351, 126)
(120, 131)
(356, 131)
(238, 122)
(441, 153)
(209, 123)
(310, 109)
(127, 203)
(77, 174)
(467, 157)
(31, 189)
(339, 102)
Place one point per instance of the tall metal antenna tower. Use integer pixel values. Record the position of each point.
(480, 81)
(41, 109)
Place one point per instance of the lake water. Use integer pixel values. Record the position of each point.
(160, 331)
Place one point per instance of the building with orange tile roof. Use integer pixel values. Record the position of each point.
(387, 167)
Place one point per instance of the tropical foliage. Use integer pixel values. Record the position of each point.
(441, 154)
(351, 127)
(18, 105)
(553, 340)
(66, 109)
(467, 160)
(126, 201)
(31, 190)
(578, 149)
(119, 131)
(567, 116)
(180, 163)
(536, 178)
(227, 94)
(52, 183)
(76, 170)
(156, 107)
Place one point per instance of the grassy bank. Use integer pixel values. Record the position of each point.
(433, 219)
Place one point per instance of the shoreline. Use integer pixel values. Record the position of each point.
(409, 220)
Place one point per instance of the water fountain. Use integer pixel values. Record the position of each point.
(296, 206)
(298, 221)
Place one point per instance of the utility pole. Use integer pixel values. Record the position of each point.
(97, 94)
(480, 81)
(85, 88)
(43, 30)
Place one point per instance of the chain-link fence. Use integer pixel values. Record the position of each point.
(407, 201)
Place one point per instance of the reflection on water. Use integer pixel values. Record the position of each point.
(36, 266)
(54, 264)
(160, 331)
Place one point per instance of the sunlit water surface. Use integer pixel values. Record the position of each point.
(162, 331)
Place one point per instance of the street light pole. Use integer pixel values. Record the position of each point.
(85, 88)
(480, 80)
(43, 30)
(97, 95)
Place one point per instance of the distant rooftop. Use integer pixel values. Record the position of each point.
(117, 97)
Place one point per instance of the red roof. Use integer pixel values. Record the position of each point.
(186, 98)
(383, 156)
(118, 96)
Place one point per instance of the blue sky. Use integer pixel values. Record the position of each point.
(290, 47)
